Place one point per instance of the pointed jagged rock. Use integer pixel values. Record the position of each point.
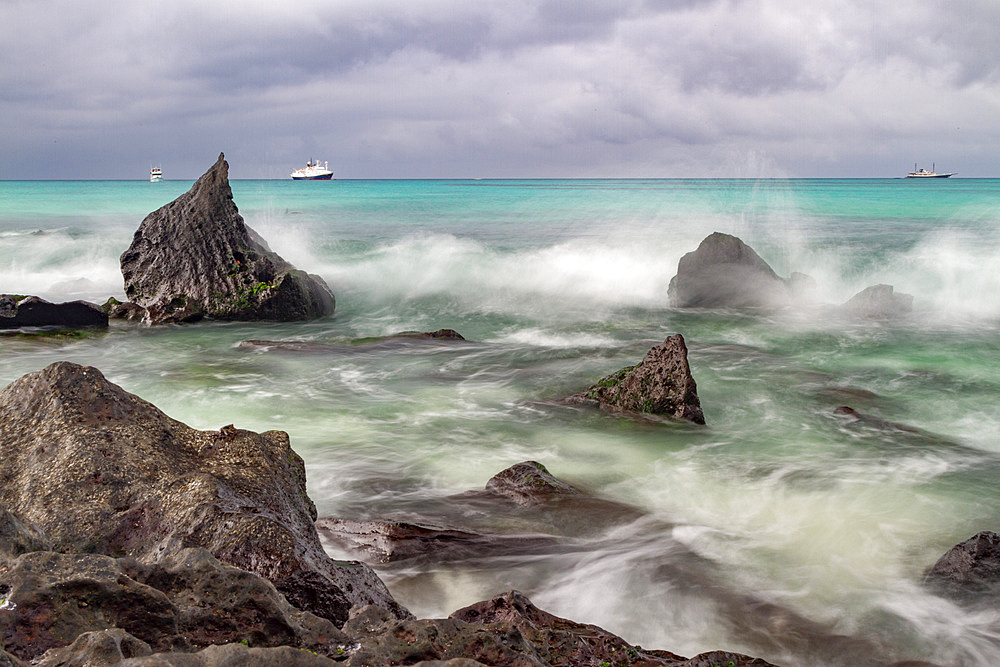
(97, 469)
(661, 384)
(195, 258)
(724, 272)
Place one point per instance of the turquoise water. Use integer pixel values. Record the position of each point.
(776, 501)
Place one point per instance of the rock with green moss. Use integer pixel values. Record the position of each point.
(661, 385)
(196, 258)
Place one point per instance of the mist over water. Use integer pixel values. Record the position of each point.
(780, 530)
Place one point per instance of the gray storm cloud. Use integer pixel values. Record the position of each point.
(558, 88)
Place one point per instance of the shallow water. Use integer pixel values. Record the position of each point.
(780, 530)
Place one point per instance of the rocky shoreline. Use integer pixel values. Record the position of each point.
(128, 537)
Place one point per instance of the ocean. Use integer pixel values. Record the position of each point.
(780, 529)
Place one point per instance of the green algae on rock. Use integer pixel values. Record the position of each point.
(197, 258)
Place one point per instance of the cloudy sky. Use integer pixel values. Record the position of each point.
(476, 88)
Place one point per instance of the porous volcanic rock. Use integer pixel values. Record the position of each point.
(195, 257)
(235, 655)
(661, 384)
(969, 569)
(97, 469)
(879, 302)
(724, 272)
(18, 311)
(506, 630)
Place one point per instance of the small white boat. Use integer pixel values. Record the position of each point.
(155, 175)
(313, 172)
(923, 173)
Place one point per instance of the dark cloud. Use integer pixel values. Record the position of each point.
(388, 88)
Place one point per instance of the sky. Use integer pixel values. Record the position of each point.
(510, 89)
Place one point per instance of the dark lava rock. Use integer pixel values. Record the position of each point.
(117, 310)
(195, 257)
(235, 655)
(662, 384)
(724, 272)
(90, 609)
(969, 569)
(399, 541)
(530, 483)
(100, 470)
(558, 641)
(189, 600)
(96, 649)
(18, 311)
(879, 302)
(507, 630)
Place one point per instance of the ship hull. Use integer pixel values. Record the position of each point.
(321, 177)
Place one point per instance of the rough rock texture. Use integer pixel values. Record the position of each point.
(662, 384)
(724, 272)
(190, 600)
(507, 630)
(195, 257)
(96, 649)
(879, 302)
(235, 655)
(401, 541)
(100, 470)
(30, 311)
(117, 310)
(530, 483)
(969, 569)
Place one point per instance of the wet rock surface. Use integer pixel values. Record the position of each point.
(99, 470)
(970, 570)
(115, 522)
(183, 602)
(724, 272)
(394, 341)
(661, 384)
(195, 258)
(18, 311)
(879, 302)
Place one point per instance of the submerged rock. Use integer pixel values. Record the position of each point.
(97, 469)
(661, 384)
(879, 302)
(398, 340)
(970, 569)
(399, 541)
(18, 311)
(724, 272)
(195, 257)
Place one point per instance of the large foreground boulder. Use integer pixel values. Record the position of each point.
(724, 272)
(195, 257)
(186, 601)
(661, 385)
(99, 470)
(18, 311)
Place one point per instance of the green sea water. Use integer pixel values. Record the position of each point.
(780, 529)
